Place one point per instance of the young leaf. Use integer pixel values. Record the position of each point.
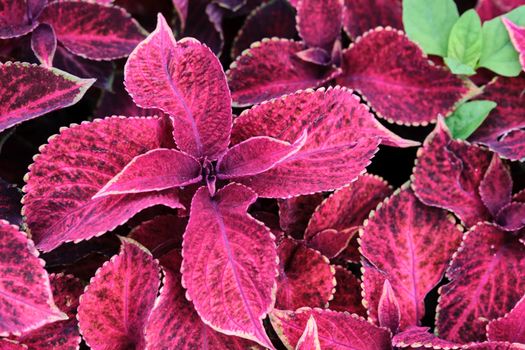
(28, 91)
(118, 301)
(75, 165)
(405, 247)
(495, 189)
(484, 283)
(511, 217)
(468, 117)
(465, 41)
(44, 44)
(388, 312)
(233, 291)
(347, 296)
(185, 80)
(93, 30)
(26, 299)
(319, 22)
(498, 53)
(360, 16)
(18, 18)
(385, 66)
(429, 23)
(509, 327)
(457, 67)
(310, 338)
(517, 37)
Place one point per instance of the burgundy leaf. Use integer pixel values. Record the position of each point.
(488, 9)
(75, 165)
(185, 80)
(517, 37)
(510, 327)
(118, 301)
(331, 242)
(360, 16)
(18, 17)
(44, 44)
(403, 244)
(448, 174)
(315, 55)
(495, 189)
(270, 68)
(174, 324)
(230, 263)
(485, 283)
(336, 330)
(398, 80)
(494, 346)
(500, 131)
(10, 205)
(181, 7)
(295, 212)
(256, 155)
(275, 18)
(421, 337)
(204, 22)
(319, 22)
(310, 338)
(60, 335)
(372, 286)
(93, 30)
(347, 296)
(388, 312)
(25, 294)
(8, 344)
(161, 234)
(511, 217)
(28, 91)
(305, 277)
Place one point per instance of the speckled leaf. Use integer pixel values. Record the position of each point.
(495, 189)
(448, 174)
(185, 80)
(403, 244)
(118, 301)
(398, 80)
(155, 170)
(60, 335)
(28, 91)
(295, 212)
(10, 205)
(93, 30)
(305, 277)
(25, 294)
(270, 69)
(360, 16)
(347, 296)
(486, 281)
(421, 337)
(388, 312)
(319, 22)
(310, 338)
(18, 17)
(342, 138)
(372, 286)
(44, 44)
(331, 242)
(509, 327)
(333, 329)
(511, 217)
(275, 18)
(82, 159)
(506, 119)
(174, 324)
(230, 263)
(488, 9)
(160, 234)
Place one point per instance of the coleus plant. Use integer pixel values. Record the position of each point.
(117, 166)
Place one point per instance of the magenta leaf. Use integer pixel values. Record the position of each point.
(448, 174)
(28, 91)
(484, 283)
(316, 56)
(185, 80)
(118, 301)
(25, 294)
(155, 170)
(270, 68)
(421, 337)
(372, 289)
(347, 296)
(360, 16)
(75, 165)
(336, 330)
(275, 18)
(93, 30)
(517, 37)
(310, 338)
(331, 242)
(44, 44)
(388, 312)
(181, 7)
(511, 217)
(10, 205)
(230, 263)
(488, 9)
(305, 277)
(59, 335)
(295, 213)
(160, 234)
(403, 244)
(495, 189)
(174, 324)
(385, 66)
(510, 327)
(319, 22)
(18, 17)
(501, 130)
(256, 155)
(8, 344)
(494, 346)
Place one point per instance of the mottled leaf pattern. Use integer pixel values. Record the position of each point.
(509, 327)
(44, 44)
(19, 17)
(347, 296)
(360, 16)
(421, 337)
(161, 234)
(495, 189)
(295, 212)
(319, 22)
(388, 312)
(310, 338)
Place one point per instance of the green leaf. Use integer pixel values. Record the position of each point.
(498, 53)
(458, 67)
(468, 117)
(429, 22)
(464, 43)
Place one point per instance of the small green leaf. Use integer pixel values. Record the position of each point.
(464, 43)
(498, 53)
(429, 22)
(458, 67)
(468, 117)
